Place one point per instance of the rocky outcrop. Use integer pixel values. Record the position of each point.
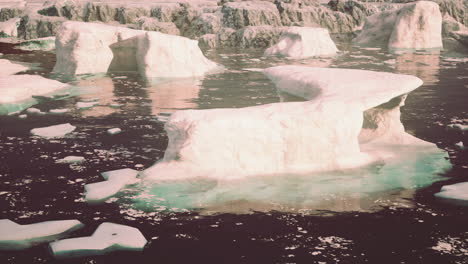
(33, 27)
(152, 24)
(9, 13)
(250, 13)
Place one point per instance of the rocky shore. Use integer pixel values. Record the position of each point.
(245, 24)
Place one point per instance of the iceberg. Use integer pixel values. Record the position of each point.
(107, 238)
(71, 160)
(17, 237)
(456, 194)
(293, 137)
(88, 48)
(55, 131)
(416, 25)
(17, 91)
(303, 42)
(115, 181)
(345, 142)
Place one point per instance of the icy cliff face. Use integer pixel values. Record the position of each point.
(342, 125)
(95, 48)
(303, 42)
(414, 26)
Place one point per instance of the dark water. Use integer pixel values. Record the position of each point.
(404, 225)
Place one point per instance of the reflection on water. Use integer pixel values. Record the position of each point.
(424, 66)
(169, 96)
(99, 90)
(364, 189)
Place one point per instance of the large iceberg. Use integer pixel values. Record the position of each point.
(95, 48)
(416, 25)
(346, 123)
(303, 42)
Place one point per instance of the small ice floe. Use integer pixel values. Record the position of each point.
(114, 131)
(458, 127)
(34, 111)
(16, 237)
(253, 69)
(107, 238)
(53, 131)
(86, 105)
(390, 62)
(115, 181)
(23, 116)
(59, 111)
(71, 160)
(115, 105)
(455, 194)
(460, 145)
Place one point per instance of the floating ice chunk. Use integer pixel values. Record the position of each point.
(9, 68)
(303, 42)
(33, 111)
(460, 145)
(107, 238)
(16, 237)
(53, 131)
(455, 194)
(16, 91)
(71, 160)
(59, 111)
(115, 181)
(323, 134)
(114, 131)
(96, 48)
(416, 25)
(458, 127)
(86, 105)
(23, 116)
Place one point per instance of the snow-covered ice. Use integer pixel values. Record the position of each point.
(348, 122)
(303, 42)
(9, 68)
(415, 25)
(107, 238)
(71, 160)
(17, 91)
(86, 105)
(114, 131)
(115, 181)
(16, 237)
(96, 48)
(455, 194)
(53, 131)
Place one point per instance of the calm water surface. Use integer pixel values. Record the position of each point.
(390, 217)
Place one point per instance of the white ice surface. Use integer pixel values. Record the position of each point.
(53, 131)
(96, 48)
(71, 160)
(16, 88)
(416, 25)
(9, 68)
(107, 238)
(338, 128)
(10, 26)
(303, 42)
(114, 131)
(115, 181)
(16, 237)
(455, 194)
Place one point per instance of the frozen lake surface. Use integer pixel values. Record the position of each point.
(383, 211)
